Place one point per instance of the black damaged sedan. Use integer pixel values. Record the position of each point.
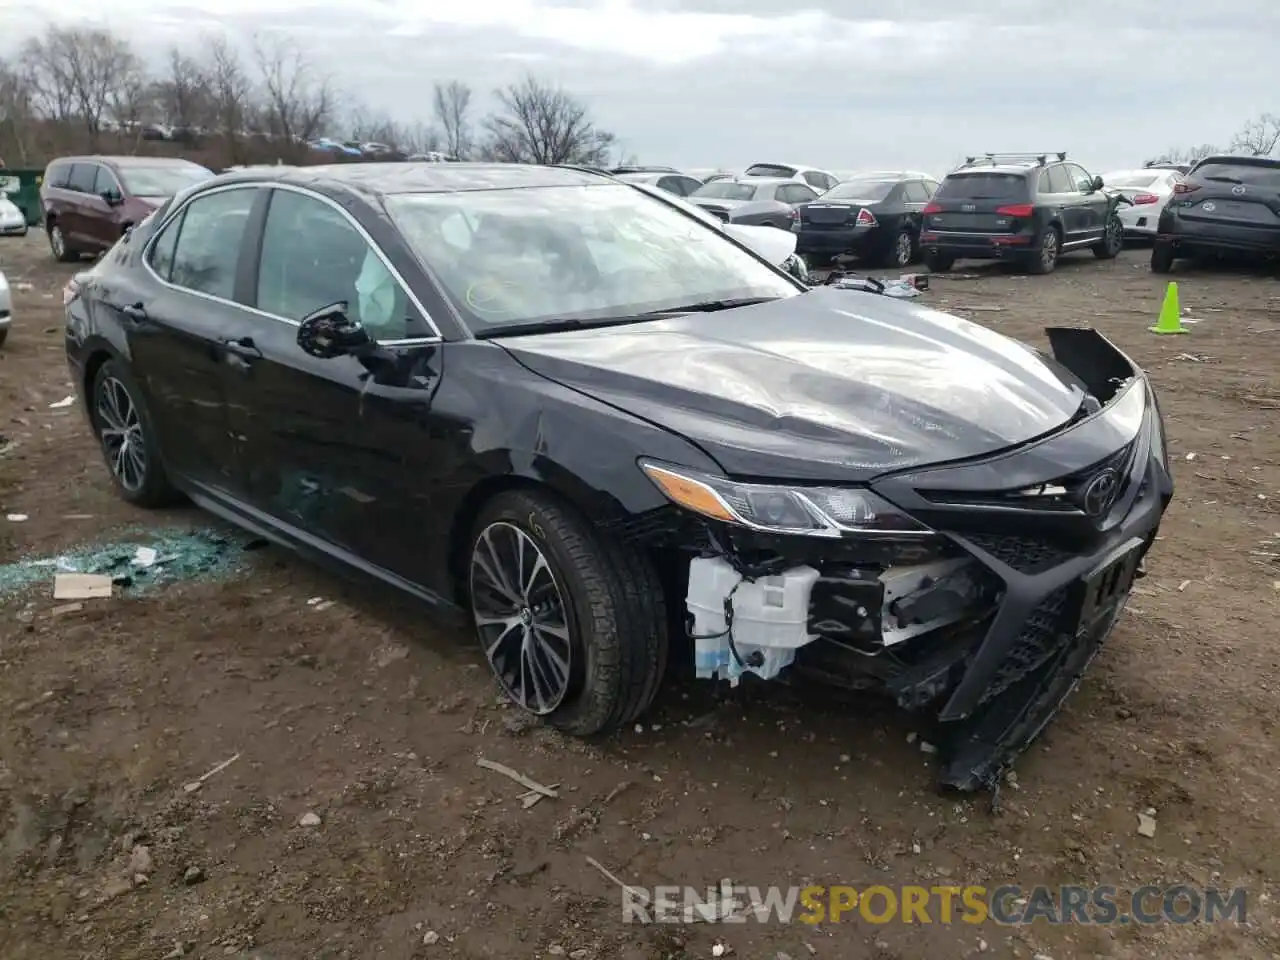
(578, 418)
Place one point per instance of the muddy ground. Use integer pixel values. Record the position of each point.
(363, 714)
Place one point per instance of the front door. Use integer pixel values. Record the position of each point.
(1091, 205)
(177, 329)
(339, 449)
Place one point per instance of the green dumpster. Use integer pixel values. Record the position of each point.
(23, 188)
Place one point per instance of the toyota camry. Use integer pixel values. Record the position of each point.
(594, 428)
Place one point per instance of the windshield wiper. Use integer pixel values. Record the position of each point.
(554, 325)
(711, 306)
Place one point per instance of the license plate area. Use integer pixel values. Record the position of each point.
(1108, 584)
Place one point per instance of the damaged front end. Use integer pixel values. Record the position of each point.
(980, 589)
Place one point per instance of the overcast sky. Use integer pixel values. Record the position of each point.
(707, 83)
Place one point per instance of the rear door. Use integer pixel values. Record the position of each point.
(101, 222)
(1057, 193)
(914, 199)
(977, 202)
(74, 217)
(178, 329)
(1238, 196)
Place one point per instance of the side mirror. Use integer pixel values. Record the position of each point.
(1097, 184)
(329, 332)
(112, 198)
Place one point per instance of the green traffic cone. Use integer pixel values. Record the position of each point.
(1170, 319)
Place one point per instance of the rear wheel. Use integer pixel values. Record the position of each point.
(572, 623)
(938, 262)
(128, 437)
(58, 244)
(1112, 242)
(1045, 257)
(1162, 257)
(902, 251)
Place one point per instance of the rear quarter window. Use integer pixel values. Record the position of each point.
(57, 175)
(982, 186)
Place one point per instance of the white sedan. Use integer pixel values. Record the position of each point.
(1148, 190)
(13, 222)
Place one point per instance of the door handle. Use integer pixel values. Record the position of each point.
(134, 311)
(242, 347)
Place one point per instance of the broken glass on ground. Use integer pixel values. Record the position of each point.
(143, 561)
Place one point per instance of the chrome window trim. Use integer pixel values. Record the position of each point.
(261, 185)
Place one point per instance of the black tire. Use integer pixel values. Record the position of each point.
(152, 487)
(62, 252)
(1162, 257)
(1112, 242)
(901, 251)
(938, 262)
(612, 604)
(1048, 248)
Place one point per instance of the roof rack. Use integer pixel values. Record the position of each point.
(1040, 158)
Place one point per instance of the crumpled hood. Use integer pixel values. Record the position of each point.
(830, 385)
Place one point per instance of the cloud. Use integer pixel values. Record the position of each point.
(724, 82)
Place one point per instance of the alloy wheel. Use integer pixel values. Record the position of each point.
(1115, 235)
(902, 250)
(1049, 249)
(56, 242)
(120, 432)
(520, 615)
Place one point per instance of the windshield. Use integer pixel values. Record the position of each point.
(1254, 174)
(161, 181)
(1132, 180)
(582, 252)
(869, 190)
(981, 186)
(726, 190)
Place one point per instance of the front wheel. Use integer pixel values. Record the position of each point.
(58, 244)
(572, 623)
(128, 438)
(1112, 240)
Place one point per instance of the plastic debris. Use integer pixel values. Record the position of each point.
(64, 402)
(180, 554)
(81, 586)
(16, 517)
(1146, 825)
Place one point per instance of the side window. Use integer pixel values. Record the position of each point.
(313, 256)
(1057, 181)
(914, 192)
(208, 244)
(106, 180)
(671, 185)
(161, 255)
(796, 193)
(1081, 182)
(688, 185)
(82, 177)
(815, 179)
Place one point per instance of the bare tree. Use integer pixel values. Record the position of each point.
(182, 93)
(48, 79)
(1186, 154)
(539, 123)
(365, 125)
(132, 103)
(423, 138)
(16, 112)
(1259, 138)
(78, 70)
(231, 93)
(298, 102)
(452, 113)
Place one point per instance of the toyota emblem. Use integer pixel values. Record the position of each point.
(1100, 493)
(1238, 189)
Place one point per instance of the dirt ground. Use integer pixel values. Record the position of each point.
(363, 714)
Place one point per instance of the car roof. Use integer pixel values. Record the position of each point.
(756, 181)
(1243, 159)
(1012, 169)
(798, 167)
(129, 161)
(382, 179)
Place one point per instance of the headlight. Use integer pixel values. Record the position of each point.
(813, 511)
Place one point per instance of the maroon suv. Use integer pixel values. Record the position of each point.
(89, 202)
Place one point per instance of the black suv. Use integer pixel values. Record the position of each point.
(1028, 208)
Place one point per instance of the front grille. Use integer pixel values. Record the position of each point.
(1024, 554)
(1061, 494)
(1042, 636)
